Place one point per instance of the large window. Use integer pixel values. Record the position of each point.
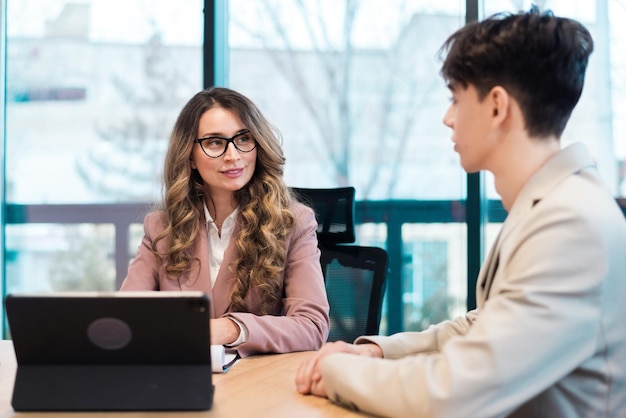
(93, 87)
(354, 87)
(355, 90)
(92, 91)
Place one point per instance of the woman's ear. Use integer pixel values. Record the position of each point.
(193, 164)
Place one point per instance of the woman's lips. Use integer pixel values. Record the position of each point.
(235, 172)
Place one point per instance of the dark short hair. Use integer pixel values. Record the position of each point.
(540, 59)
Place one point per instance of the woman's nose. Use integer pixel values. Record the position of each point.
(231, 152)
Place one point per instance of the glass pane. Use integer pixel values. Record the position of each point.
(435, 262)
(55, 257)
(135, 237)
(354, 88)
(93, 88)
(92, 91)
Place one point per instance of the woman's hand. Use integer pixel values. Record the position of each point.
(309, 377)
(223, 331)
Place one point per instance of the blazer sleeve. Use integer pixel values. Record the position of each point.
(428, 341)
(143, 271)
(305, 322)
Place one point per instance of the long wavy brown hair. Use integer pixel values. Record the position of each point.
(264, 203)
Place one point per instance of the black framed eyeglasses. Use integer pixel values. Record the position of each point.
(216, 146)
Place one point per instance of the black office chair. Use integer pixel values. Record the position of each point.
(354, 275)
(334, 209)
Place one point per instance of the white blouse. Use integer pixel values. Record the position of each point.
(217, 242)
(217, 247)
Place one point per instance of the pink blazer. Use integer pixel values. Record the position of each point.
(298, 322)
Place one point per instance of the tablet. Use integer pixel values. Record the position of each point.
(97, 351)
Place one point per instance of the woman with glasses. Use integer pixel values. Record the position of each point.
(230, 227)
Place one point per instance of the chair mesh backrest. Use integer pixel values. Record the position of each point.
(335, 212)
(355, 278)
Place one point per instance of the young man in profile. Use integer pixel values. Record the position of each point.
(548, 337)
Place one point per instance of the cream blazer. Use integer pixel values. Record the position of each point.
(298, 322)
(547, 338)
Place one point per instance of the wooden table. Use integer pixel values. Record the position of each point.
(255, 387)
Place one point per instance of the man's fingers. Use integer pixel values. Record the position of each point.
(304, 374)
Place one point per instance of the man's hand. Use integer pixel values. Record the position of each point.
(309, 378)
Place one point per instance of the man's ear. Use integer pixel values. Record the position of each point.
(500, 101)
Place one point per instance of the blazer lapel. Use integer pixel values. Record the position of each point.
(488, 272)
(568, 161)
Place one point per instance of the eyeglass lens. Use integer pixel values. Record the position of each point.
(215, 146)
